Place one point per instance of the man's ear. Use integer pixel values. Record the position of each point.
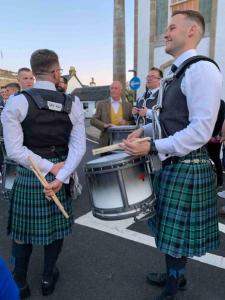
(193, 30)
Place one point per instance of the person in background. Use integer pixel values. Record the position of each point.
(112, 111)
(186, 220)
(25, 78)
(11, 89)
(214, 145)
(4, 96)
(142, 111)
(62, 85)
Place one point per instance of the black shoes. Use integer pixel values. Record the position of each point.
(159, 279)
(48, 283)
(24, 291)
(165, 296)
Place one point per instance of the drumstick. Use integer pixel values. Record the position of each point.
(116, 146)
(44, 182)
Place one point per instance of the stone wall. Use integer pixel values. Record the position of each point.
(7, 77)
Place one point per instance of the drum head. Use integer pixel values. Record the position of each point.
(109, 160)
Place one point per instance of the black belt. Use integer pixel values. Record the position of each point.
(50, 152)
(176, 159)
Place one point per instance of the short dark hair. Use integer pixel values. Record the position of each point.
(158, 70)
(3, 87)
(24, 70)
(193, 15)
(13, 85)
(42, 60)
(65, 80)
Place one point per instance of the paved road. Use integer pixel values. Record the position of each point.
(109, 260)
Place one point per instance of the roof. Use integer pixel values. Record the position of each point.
(68, 77)
(92, 93)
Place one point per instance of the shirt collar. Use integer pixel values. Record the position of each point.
(46, 85)
(153, 91)
(184, 56)
(113, 101)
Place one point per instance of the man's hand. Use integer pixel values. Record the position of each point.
(135, 111)
(52, 187)
(108, 125)
(143, 111)
(135, 134)
(136, 149)
(55, 169)
(122, 122)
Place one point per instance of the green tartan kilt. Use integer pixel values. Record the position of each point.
(186, 221)
(32, 218)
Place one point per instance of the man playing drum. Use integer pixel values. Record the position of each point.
(186, 221)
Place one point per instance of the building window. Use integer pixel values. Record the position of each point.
(161, 17)
(184, 4)
(85, 105)
(203, 6)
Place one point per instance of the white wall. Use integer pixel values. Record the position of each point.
(73, 83)
(143, 42)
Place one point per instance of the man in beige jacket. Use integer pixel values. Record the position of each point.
(112, 111)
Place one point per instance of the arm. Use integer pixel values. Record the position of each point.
(77, 142)
(13, 115)
(97, 118)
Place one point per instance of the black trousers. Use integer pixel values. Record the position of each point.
(214, 154)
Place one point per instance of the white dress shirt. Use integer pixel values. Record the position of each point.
(149, 110)
(202, 86)
(13, 115)
(115, 104)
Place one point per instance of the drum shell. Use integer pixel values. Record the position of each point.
(116, 192)
(118, 133)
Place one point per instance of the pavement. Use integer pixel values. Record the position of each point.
(108, 260)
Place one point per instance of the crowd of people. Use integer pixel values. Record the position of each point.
(41, 122)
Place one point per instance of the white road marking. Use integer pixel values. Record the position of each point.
(119, 228)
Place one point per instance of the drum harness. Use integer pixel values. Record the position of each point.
(157, 127)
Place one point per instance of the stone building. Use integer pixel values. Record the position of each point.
(151, 19)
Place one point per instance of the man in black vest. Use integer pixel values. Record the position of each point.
(186, 221)
(142, 111)
(48, 127)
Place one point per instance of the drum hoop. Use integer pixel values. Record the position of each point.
(150, 200)
(122, 164)
(122, 128)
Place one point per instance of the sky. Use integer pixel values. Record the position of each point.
(79, 31)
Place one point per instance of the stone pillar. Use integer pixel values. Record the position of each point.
(119, 51)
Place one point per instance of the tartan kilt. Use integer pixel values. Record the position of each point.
(186, 220)
(32, 218)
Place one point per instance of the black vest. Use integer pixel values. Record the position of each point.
(149, 102)
(46, 132)
(174, 115)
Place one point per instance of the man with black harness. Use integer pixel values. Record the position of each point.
(47, 126)
(142, 112)
(186, 221)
